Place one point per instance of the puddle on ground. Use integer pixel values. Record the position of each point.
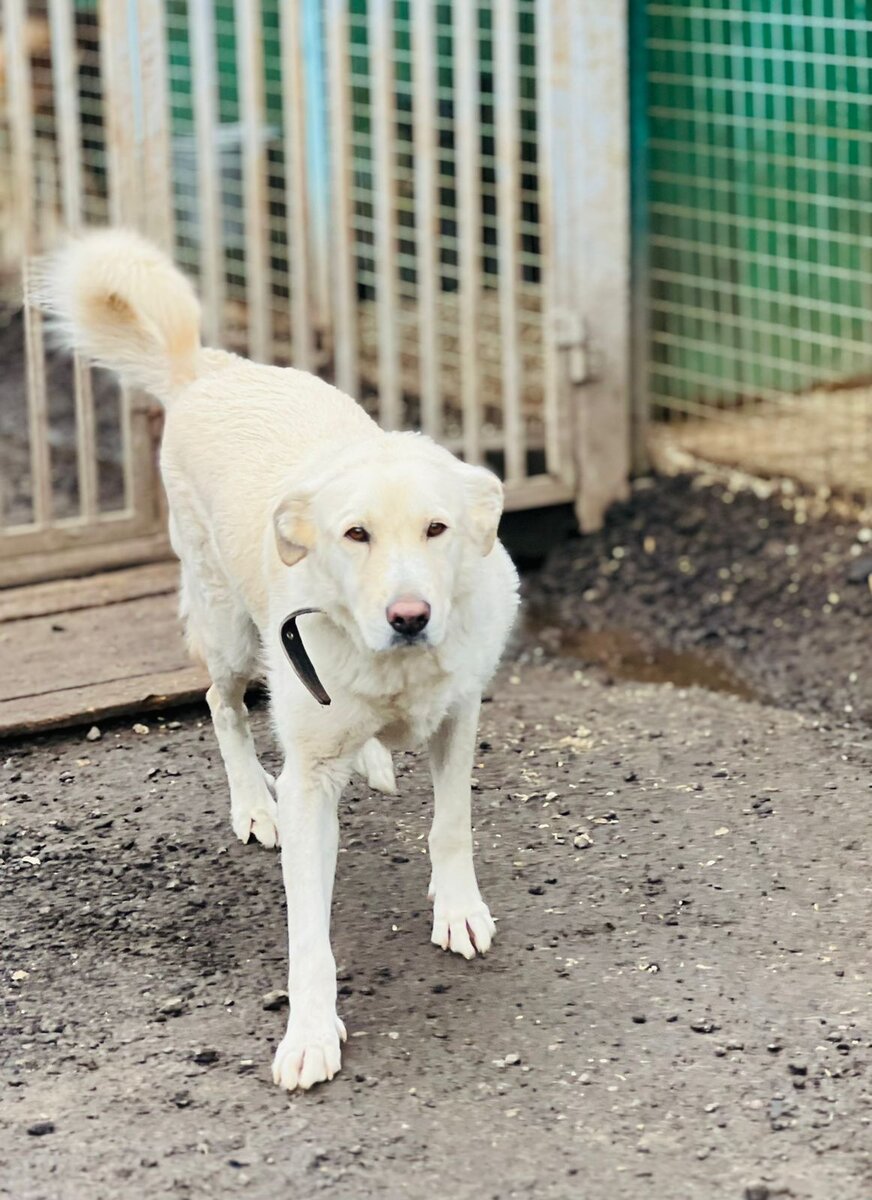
(625, 654)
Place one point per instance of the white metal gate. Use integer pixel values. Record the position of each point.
(422, 200)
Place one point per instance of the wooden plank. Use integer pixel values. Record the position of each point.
(67, 595)
(61, 668)
(75, 551)
(61, 651)
(87, 704)
(537, 492)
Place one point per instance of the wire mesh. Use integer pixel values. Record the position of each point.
(757, 164)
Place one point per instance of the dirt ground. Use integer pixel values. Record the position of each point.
(677, 1003)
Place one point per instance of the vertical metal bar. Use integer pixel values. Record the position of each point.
(119, 115)
(549, 35)
(157, 213)
(468, 144)
(296, 182)
(383, 108)
(63, 62)
(201, 25)
(317, 151)
(640, 236)
(125, 190)
(426, 217)
(344, 285)
(249, 51)
(63, 55)
(20, 117)
(506, 63)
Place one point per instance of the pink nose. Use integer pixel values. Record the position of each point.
(408, 615)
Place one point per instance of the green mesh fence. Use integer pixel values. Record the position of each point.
(754, 201)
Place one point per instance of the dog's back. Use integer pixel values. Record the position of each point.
(234, 430)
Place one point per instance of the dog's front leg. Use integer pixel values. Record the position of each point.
(308, 796)
(461, 919)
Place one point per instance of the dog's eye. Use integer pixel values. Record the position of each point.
(435, 529)
(357, 534)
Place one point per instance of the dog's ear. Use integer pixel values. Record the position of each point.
(484, 506)
(295, 533)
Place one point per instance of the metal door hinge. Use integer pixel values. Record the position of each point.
(570, 336)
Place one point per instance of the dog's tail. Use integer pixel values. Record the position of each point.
(118, 300)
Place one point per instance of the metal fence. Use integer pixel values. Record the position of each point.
(420, 200)
(753, 162)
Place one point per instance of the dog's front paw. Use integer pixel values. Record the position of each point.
(254, 813)
(309, 1052)
(463, 926)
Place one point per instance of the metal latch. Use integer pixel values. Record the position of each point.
(570, 336)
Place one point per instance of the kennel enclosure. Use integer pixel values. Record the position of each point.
(424, 202)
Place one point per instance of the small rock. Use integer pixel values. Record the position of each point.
(512, 1060)
(205, 1057)
(639, 1019)
(797, 1068)
(142, 730)
(173, 1006)
(860, 569)
(581, 841)
(272, 1001)
(94, 734)
(41, 1128)
(757, 1191)
(704, 1026)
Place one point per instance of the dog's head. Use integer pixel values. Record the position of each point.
(390, 528)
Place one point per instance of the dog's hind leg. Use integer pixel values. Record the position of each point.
(221, 634)
(252, 807)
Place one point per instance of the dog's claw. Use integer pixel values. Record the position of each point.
(256, 819)
(468, 933)
(308, 1055)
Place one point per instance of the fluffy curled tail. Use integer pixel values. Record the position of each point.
(119, 301)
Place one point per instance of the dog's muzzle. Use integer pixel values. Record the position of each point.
(299, 659)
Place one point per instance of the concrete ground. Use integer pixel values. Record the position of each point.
(677, 1004)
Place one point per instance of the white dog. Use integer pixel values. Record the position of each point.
(284, 495)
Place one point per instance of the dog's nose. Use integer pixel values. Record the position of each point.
(408, 615)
